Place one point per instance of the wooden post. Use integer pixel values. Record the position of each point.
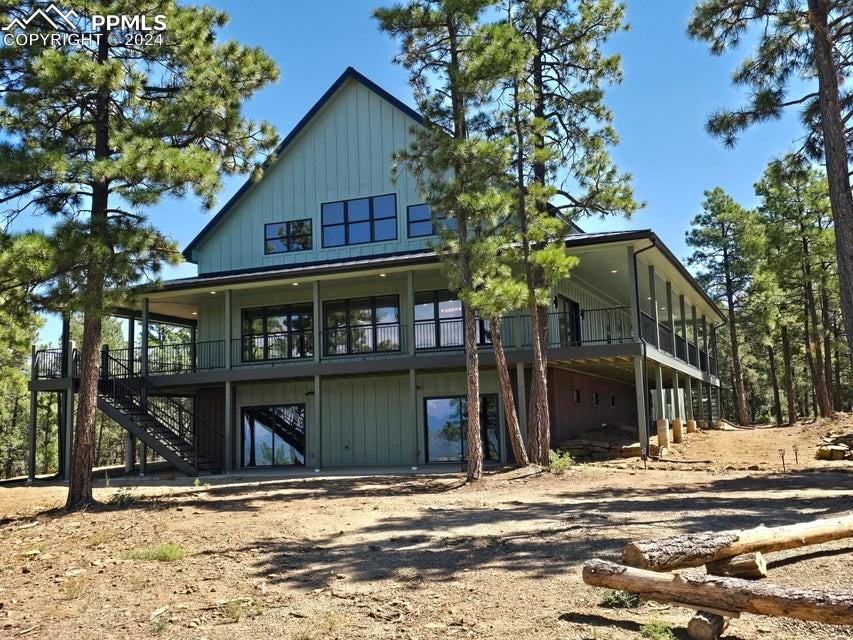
(695, 327)
(634, 287)
(678, 412)
(410, 314)
(696, 549)
(682, 311)
(642, 418)
(143, 355)
(413, 407)
(69, 413)
(318, 427)
(725, 595)
(228, 448)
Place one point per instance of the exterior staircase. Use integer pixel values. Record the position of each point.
(161, 422)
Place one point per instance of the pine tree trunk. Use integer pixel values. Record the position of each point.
(80, 483)
(472, 364)
(789, 376)
(815, 350)
(827, 337)
(510, 414)
(740, 395)
(774, 381)
(835, 152)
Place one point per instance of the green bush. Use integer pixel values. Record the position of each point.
(122, 498)
(657, 631)
(621, 600)
(167, 552)
(559, 462)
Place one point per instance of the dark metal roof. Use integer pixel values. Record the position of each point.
(349, 73)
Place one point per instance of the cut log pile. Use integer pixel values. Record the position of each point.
(734, 564)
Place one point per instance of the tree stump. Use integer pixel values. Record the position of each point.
(706, 626)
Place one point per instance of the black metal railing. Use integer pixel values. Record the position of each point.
(48, 364)
(712, 365)
(272, 347)
(648, 329)
(703, 361)
(666, 341)
(693, 354)
(186, 357)
(680, 348)
(449, 334)
(133, 398)
(362, 339)
(587, 327)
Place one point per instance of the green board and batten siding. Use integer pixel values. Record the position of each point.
(345, 152)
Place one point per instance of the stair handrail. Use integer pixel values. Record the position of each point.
(152, 409)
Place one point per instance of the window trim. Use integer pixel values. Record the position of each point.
(373, 325)
(370, 219)
(303, 405)
(288, 236)
(451, 396)
(288, 312)
(432, 221)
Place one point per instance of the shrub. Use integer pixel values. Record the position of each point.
(166, 552)
(158, 625)
(621, 600)
(559, 462)
(122, 498)
(657, 631)
(73, 588)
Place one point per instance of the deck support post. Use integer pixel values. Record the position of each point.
(670, 317)
(228, 447)
(642, 418)
(522, 399)
(705, 343)
(129, 441)
(695, 332)
(677, 411)
(413, 407)
(316, 322)
(682, 309)
(31, 447)
(143, 459)
(318, 424)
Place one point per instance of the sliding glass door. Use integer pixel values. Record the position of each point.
(446, 422)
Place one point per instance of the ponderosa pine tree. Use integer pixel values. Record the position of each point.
(803, 59)
(458, 169)
(795, 210)
(94, 134)
(553, 110)
(727, 241)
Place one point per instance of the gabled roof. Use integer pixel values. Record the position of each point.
(349, 73)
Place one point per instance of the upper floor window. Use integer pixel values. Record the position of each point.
(281, 237)
(439, 322)
(278, 333)
(359, 221)
(362, 325)
(421, 222)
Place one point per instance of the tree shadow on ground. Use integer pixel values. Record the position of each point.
(539, 539)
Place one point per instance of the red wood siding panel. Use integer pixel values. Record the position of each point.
(569, 419)
(210, 409)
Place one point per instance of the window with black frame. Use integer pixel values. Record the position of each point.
(284, 237)
(273, 435)
(439, 322)
(421, 221)
(359, 221)
(361, 325)
(278, 333)
(446, 422)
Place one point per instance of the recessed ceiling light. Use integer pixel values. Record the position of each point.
(614, 271)
(295, 284)
(381, 275)
(195, 313)
(212, 292)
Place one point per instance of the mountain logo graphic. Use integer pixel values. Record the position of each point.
(58, 18)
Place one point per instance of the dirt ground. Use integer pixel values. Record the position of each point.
(409, 557)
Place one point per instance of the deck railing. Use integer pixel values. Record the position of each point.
(565, 329)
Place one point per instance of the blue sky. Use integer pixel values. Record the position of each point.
(671, 85)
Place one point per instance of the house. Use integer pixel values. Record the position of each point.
(322, 332)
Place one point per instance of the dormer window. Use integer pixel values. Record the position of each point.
(284, 237)
(422, 223)
(359, 221)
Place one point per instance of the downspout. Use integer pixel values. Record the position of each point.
(644, 449)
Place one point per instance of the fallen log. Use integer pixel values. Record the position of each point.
(750, 566)
(707, 592)
(701, 548)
